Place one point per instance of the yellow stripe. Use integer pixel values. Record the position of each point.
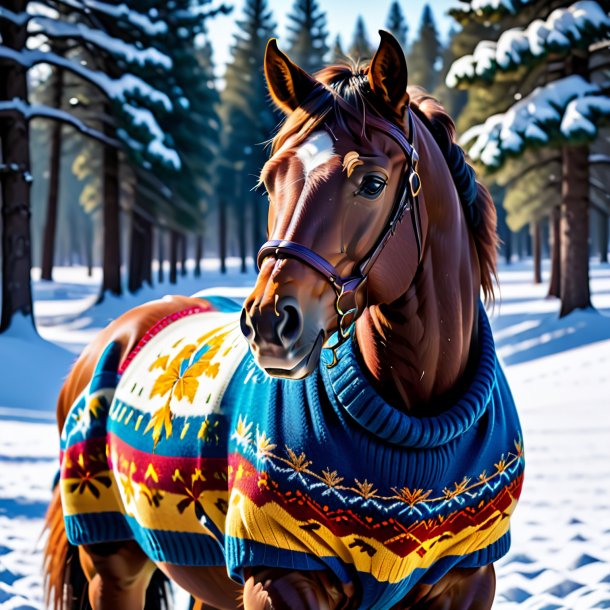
(272, 525)
(139, 506)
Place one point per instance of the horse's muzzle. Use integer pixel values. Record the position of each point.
(278, 339)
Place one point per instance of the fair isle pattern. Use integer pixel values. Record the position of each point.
(204, 460)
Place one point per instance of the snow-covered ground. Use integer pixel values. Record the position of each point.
(559, 371)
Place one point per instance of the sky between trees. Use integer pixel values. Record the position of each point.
(341, 19)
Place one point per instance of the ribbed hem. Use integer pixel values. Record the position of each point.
(180, 548)
(347, 383)
(241, 553)
(92, 528)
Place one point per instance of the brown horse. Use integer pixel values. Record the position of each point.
(380, 242)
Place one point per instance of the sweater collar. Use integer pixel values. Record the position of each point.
(347, 384)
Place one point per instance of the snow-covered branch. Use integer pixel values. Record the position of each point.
(122, 89)
(19, 19)
(30, 111)
(54, 28)
(565, 29)
(487, 8)
(155, 148)
(120, 12)
(565, 110)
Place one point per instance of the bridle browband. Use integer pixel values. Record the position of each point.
(351, 290)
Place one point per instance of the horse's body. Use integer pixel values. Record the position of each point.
(384, 481)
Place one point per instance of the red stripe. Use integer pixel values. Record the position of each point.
(261, 489)
(159, 326)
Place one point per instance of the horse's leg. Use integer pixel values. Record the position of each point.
(210, 585)
(275, 589)
(459, 589)
(118, 575)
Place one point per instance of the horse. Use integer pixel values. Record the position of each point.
(345, 438)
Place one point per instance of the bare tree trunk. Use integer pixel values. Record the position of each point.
(536, 251)
(198, 254)
(222, 237)
(241, 224)
(602, 228)
(111, 262)
(50, 228)
(173, 256)
(555, 281)
(147, 273)
(508, 247)
(16, 179)
(183, 254)
(257, 236)
(575, 292)
(161, 254)
(136, 253)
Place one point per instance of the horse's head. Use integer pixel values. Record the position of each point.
(342, 176)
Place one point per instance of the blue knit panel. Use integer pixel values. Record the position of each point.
(347, 381)
(93, 528)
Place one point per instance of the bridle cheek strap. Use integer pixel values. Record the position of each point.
(351, 293)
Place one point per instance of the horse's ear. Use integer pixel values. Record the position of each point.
(288, 84)
(388, 73)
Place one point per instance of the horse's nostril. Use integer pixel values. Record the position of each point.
(290, 326)
(245, 324)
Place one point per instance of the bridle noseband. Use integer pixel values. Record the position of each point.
(351, 290)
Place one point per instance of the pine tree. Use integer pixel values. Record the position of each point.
(337, 55)
(551, 55)
(453, 100)
(307, 35)
(425, 53)
(360, 49)
(248, 121)
(396, 24)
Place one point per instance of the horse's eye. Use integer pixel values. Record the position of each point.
(371, 187)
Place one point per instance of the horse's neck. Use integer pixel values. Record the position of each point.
(420, 349)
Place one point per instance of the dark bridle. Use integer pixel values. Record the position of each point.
(351, 290)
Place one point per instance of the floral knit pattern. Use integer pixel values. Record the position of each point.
(204, 460)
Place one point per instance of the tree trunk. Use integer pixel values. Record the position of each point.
(257, 236)
(161, 254)
(136, 253)
(173, 256)
(183, 254)
(16, 179)
(536, 251)
(575, 292)
(241, 223)
(602, 228)
(147, 273)
(50, 227)
(555, 233)
(111, 262)
(198, 254)
(222, 237)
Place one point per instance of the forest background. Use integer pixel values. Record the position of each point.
(124, 144)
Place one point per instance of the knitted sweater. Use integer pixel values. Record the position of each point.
(202, 458)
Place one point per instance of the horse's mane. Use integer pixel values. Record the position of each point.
(351, 84)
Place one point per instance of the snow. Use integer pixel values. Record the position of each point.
(575, 26)
(54, 28)
(565, 109)
(120, 12)
(487, 7)
(40, 110)
(122, 89)
(559, 371)
(156, 148)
